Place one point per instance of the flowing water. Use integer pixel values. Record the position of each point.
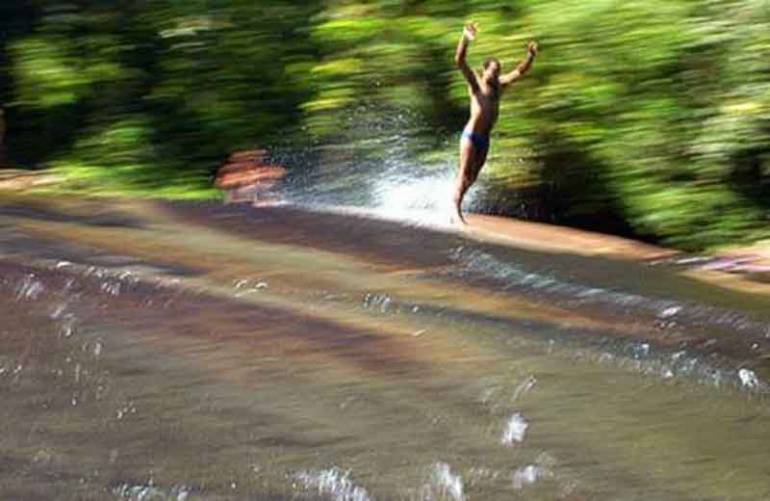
(200, 351)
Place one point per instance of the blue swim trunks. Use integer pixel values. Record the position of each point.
(479, 141)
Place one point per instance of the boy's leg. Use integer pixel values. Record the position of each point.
(480, 158)
(466, 174)
(472, 159)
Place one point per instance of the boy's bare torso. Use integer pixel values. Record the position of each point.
(485, 108)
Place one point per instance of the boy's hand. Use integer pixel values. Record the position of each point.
(532, 48)
(469, 32)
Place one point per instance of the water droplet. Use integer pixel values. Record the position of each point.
(29, 288)
(58, 311)
(670, 312)
(529, 475)
(515, 429)
(524, 387)
(111, 287)
(335, 483)
(641, 350)
(748, 378)
(447, 483)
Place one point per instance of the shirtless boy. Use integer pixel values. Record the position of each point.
(484, 89)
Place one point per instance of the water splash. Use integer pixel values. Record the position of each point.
(152, 493)
(381, 302)
(426, 201)
(29, 288)
(748, 378)
(515, 429)
(111, 287)
(245, 286)
(670, 312)
(58, 311)
(512, 275)
(529, 474)
(97, 350)
(67, 325)
(524, 387)
(640, 350)
(125, 410)
(444, 484)
(334, 483)
(637, 358)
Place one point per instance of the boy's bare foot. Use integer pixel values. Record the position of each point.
(458, 217)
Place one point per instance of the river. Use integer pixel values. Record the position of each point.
(204, 351)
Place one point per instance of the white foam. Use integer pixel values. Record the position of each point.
(151, 492)
(111, 287)
(426, 200)
(477, 261)
(670, 311)
(334, 483)
(446, 483)
(524, 387)
(529, 475)
(29, 288)
(748, 378)
(515, 429)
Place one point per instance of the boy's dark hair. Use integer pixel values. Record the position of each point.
(491, 60)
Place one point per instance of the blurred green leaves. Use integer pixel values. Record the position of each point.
(49, 72)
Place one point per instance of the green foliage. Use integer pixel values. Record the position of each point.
(654, 115)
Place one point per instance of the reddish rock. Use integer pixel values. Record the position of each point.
(249, 175)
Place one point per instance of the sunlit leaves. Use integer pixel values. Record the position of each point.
(47, 75)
